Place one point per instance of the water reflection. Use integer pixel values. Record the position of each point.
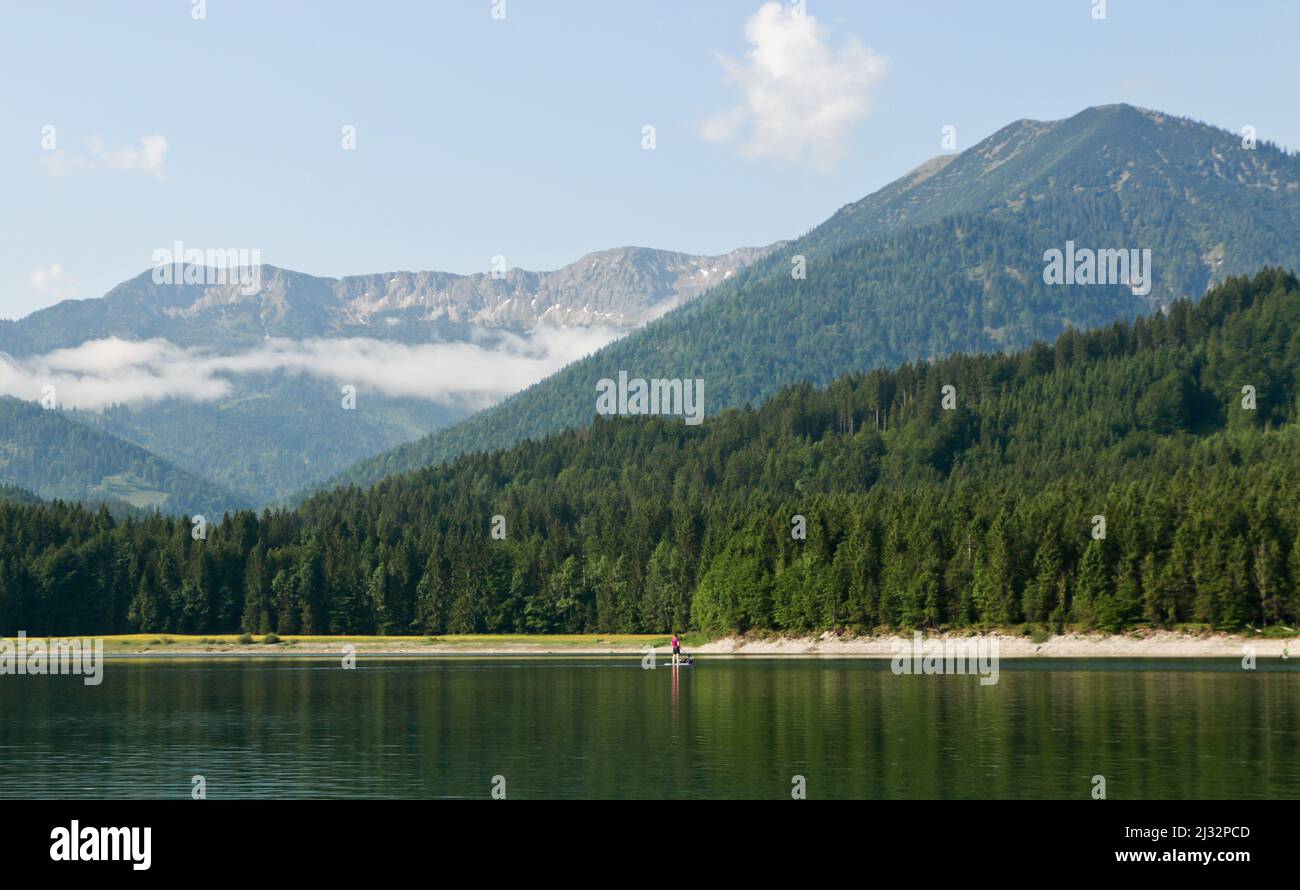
(605, 728)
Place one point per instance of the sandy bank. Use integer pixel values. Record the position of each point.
(1154, 644)
(1151, 644)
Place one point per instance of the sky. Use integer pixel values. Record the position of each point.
(126, 127)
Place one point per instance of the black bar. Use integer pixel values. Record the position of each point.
(292, 840)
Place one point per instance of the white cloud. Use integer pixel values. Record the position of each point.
(801, 96)
(99, 373)
(50, 280)
(146, 159)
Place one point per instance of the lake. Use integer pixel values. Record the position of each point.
(604, 728)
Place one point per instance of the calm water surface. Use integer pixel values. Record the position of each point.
(572, 727)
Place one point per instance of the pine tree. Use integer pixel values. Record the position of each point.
(1093, 584)
(257, 613)
(433, 594)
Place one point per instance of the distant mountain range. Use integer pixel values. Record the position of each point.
(619, 288)
(277, 432)
(948, 258)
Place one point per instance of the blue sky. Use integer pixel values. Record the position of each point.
(523, 137)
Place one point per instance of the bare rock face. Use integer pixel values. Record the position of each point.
(621, 288)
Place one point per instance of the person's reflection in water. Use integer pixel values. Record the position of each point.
(677, 688)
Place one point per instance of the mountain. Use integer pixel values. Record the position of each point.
(271, 433)
(48, 454)
(948, 258)
(620, 288)
(922, 506)
(1144, 169)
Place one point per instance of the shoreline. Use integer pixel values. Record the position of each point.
(1148, 644)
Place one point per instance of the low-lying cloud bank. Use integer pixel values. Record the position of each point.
(100, 373)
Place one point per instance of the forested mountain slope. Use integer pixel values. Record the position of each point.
(949, 258)
(916, 514)
(273, 435)
(19, 495)
(46, 453)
